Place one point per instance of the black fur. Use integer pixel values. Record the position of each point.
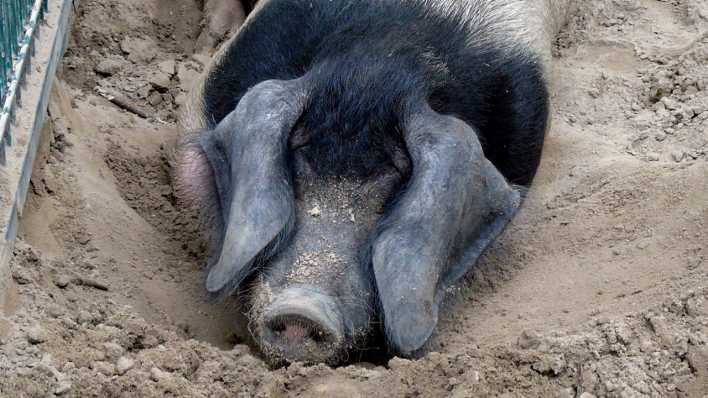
(248, 5)
(365, 60)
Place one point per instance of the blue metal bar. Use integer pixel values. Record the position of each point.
(18, 24)
(14, 16)
(3, 49)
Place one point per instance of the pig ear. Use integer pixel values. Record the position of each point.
(260, 207)
(455, 204)
(212, 145)
(201, 177)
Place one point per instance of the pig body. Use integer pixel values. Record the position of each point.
(354, 158)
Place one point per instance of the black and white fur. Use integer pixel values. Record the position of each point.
(367, 73)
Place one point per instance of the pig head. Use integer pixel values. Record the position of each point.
(384, 262)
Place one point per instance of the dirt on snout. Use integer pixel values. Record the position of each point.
(599, 288)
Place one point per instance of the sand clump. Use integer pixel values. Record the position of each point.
(597, 289)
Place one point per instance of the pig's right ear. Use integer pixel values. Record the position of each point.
(259, 209)
(201, 177)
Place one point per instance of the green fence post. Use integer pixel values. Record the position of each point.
(5, 45)
(13, 27)
(17, 29)
(3, 66)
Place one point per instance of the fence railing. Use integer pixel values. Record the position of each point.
(18, 25)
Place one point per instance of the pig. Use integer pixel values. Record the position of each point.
(352, 159)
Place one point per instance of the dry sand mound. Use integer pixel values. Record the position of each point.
(598, 288)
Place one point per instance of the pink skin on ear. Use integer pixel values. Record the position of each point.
(193, 177)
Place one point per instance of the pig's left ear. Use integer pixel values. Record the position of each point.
(456, 202)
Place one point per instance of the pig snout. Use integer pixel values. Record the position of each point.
(302, 323)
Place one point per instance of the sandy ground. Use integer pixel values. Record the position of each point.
(598, 288)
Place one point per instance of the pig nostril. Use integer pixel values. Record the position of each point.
(296, 328)
(301, 324)
(317, 336)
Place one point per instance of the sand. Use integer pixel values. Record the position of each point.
(598, 288)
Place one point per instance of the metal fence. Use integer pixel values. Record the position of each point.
(18, 24)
